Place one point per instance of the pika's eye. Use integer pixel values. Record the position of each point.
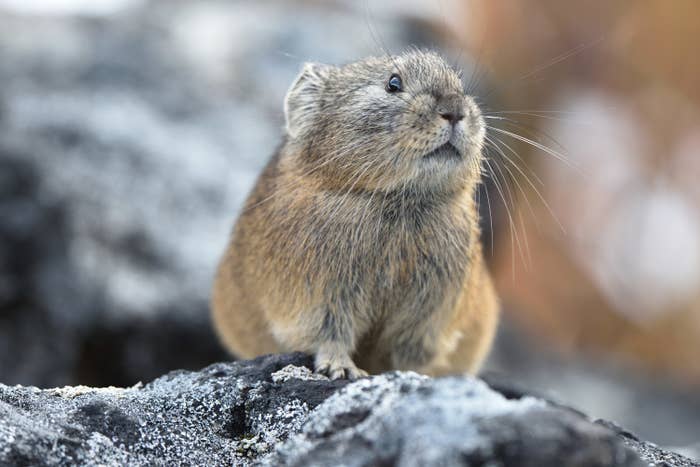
(394, 84)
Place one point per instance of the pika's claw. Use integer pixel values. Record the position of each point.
(356, 373)
(337, 366)
(337, 372)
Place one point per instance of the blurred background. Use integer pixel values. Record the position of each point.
(132, 130)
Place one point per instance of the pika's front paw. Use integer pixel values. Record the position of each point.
(338, 367)
(340, 372)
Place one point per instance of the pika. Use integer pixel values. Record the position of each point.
(360, 241)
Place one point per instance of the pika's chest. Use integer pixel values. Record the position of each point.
(374, 250)
(408, 264)
(419, 260)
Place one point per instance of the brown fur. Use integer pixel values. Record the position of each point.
(355, 244)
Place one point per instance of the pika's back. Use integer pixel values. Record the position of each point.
(361, 240)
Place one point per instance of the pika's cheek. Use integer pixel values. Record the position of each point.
(423, 123)
(422, 107)
(467, 138)
(474, 118)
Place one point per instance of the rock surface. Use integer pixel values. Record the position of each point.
(274, 411)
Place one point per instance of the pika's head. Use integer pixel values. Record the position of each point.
(384, 123)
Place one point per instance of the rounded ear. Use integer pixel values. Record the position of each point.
(301, 104)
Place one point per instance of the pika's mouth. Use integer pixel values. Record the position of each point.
(446, 151)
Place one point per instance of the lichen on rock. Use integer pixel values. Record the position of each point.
(275, 411)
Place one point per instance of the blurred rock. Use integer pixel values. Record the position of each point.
(274, 411)
(127, 145)
(653, 405)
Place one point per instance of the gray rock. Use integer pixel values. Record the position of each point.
(274, 411)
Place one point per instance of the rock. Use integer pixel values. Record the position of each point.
(274, 411)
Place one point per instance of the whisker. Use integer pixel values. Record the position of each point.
(513, 234)
(522, 161)
(514, 206)
(537, 114)
(488, 203)
(525, 241)
(532, 185)
(541, 147)
(541, 111)
(533, 131)
(560, 58)
(478, 72)
(554, 61)
(380, 43)
(513, 178)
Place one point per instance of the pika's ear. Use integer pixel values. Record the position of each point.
(301, 104)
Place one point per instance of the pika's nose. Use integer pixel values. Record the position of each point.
(451, 108)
